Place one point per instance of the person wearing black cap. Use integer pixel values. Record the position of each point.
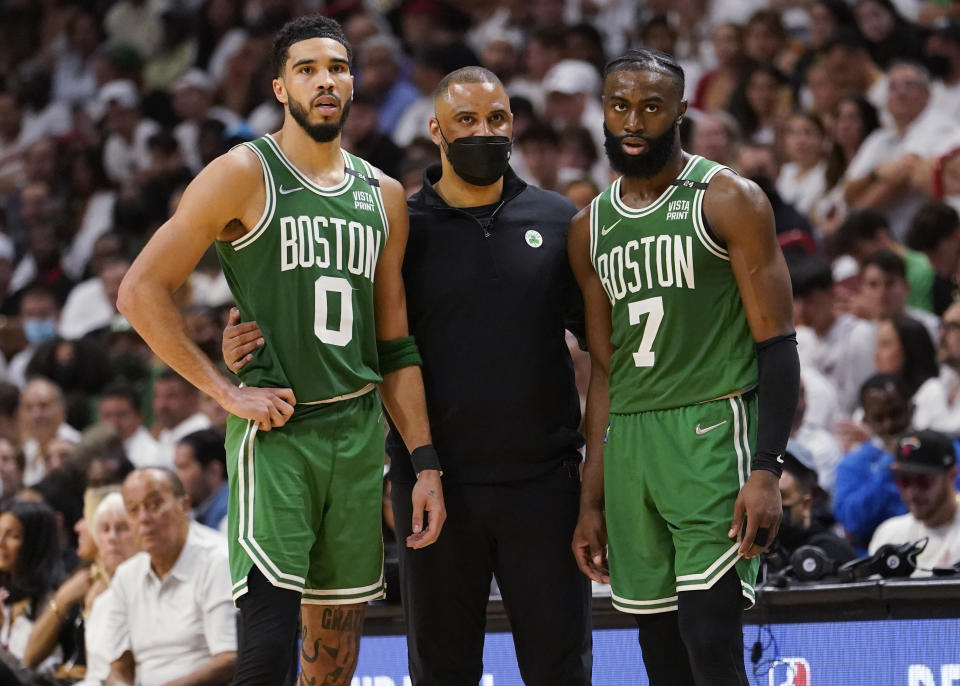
(925, 471)
(801, 495)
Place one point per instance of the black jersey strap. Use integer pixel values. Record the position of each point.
(372, 181)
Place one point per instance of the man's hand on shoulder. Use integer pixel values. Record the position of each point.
(240, 340)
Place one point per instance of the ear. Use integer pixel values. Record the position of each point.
(279, 90)
(682, 110)
(435, 135)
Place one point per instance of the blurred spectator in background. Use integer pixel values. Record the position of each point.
(177, 413)
(716, 136)
(120, 409)
(880, 173)
(380, 76)
(935, 232)
(803, 177)
(715, 87)
(41, 415)
(865, 494)
(925, 472)
(201, 463)
(30, 570)
(170, 616)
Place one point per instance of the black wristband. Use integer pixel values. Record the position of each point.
(425, 457)
(778, 390)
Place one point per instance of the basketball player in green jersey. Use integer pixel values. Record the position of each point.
(311, 240)
(694, 382)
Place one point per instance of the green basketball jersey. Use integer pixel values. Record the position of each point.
(305, 274)
(679, 329)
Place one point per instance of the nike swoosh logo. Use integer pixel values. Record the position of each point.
(708, 429)
(607, 229)
(288, 191)
(780, 459)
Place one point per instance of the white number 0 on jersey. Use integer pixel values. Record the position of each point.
(344, 331)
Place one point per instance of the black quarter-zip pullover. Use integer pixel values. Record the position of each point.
(489, 295)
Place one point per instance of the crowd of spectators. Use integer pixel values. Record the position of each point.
(844, 112)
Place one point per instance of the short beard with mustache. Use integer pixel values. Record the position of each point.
(321, 133)
(645, 165)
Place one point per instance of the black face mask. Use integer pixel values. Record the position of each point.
(792, 534)
(478, 160)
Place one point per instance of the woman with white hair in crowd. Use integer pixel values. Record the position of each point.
(105, 538)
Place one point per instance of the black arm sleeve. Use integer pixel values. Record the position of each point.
(778, 391)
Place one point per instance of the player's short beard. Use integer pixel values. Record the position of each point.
(321, 133)
(645, 165)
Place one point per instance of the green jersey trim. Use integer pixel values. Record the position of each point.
(268, 209)
(378, 194)
(633, 213)
(706, 239)
(340, 188)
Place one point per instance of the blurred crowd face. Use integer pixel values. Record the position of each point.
(816, 309)
(191, 103)
(173, 401)
(803, 141)
(117, 412)
(886, 414)
(888, 356)
(885, 295)
(11, 540)
(710, 138)
(158, 518)
(726, 44)
(822, 24)
(59, 453)
(111, 275)
(908, 93)
(763, 93)
(41, 410)
(874, 20)
(114, 539)
(823, 89)
(379, 70)
(927, 495)
(848, 128)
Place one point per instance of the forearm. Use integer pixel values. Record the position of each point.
(880, 193)
(598, 413)
(43, 637)
(778, 391)
(403, 397)
(216, 672)
(151, 311)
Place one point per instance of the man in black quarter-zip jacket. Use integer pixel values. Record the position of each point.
(489, 294)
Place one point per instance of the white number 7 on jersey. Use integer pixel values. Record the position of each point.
(653, 308)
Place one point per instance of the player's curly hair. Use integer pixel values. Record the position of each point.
(302, 28)
(647, 59)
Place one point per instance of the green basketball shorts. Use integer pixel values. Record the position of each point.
(671, 480)
(305, 502)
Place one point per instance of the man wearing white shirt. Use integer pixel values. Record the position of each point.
(925, 472)
(120, 409)
(838, 345)
(41, 414)
(880, 173)
(176, 407)
(172, 617)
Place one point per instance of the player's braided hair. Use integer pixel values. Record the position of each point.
(303, 28)
(647, 59)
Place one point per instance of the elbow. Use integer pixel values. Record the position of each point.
(126, 297)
